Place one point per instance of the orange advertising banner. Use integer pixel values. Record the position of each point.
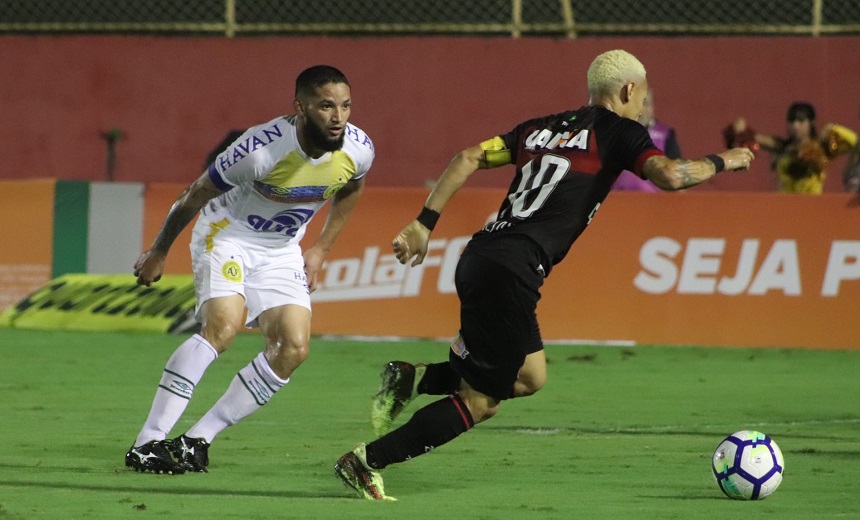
(25, 265)
(713, 269)
(668, 268)
(690, 268)
(158, 198)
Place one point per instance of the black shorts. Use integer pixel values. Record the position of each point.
(498, 325)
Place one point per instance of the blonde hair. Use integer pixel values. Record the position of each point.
(612, 70)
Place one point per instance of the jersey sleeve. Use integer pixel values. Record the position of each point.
(496, 152)
(363, 167)
(632, 146)
(364, 152)
(248, 158)
(511, 140)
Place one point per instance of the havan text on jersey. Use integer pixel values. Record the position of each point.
(250, 144)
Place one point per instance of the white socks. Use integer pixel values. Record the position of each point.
(181, 374)
(250, 389)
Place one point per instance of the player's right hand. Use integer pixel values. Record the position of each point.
(149, 267)
(411, 242)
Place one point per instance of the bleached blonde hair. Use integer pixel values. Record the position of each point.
(612, 70)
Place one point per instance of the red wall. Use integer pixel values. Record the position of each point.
(420, 99)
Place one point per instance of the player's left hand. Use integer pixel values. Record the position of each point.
(314, 258)
(411, 242)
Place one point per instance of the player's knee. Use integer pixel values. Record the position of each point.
(528, 386)
(481, 406)
(286, 352)
(483, 413)
(299, 351)
(219, 334)
(531, 377)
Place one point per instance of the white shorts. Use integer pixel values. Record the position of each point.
(266, 277)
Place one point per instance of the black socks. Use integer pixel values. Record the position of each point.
(439, 379)
(429, 428)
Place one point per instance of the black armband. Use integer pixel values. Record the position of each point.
(718, 161)
(428, 218)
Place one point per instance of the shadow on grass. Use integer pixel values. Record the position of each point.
(170, 491)
(711, 496)
(645, 431)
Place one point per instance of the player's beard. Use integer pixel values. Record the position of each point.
(320, 139)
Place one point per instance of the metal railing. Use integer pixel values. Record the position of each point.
(514, 18)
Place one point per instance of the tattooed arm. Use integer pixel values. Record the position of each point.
(678, 174)
(150, 265)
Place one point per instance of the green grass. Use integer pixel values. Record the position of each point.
(617, 433)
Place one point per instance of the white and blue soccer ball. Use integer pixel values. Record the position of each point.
(748, 465)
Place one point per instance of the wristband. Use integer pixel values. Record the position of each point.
(428, 218)
(718, 161)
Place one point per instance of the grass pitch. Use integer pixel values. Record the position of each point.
(617, 433)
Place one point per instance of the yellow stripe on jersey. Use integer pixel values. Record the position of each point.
(214, 229)
(495, 153)
(294, 179)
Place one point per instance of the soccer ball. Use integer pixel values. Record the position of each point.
(748, 465)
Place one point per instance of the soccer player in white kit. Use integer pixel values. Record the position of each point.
(255, 202)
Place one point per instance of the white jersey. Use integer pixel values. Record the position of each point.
(272, 188)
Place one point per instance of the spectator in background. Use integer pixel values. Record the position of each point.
(664, 138)
(800, 159)
(851, 173)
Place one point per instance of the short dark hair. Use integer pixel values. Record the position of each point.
(800, 110)
(317, 76)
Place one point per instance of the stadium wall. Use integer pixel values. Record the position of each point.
(420, 99)
(689, 268)
(59, 227)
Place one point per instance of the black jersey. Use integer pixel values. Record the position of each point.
(565, 166)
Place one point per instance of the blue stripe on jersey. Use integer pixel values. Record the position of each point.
(217, 180)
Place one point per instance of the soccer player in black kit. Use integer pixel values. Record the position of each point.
(565, 166)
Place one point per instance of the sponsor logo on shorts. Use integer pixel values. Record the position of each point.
(459, 347)
(232, 271)
(301, 276)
